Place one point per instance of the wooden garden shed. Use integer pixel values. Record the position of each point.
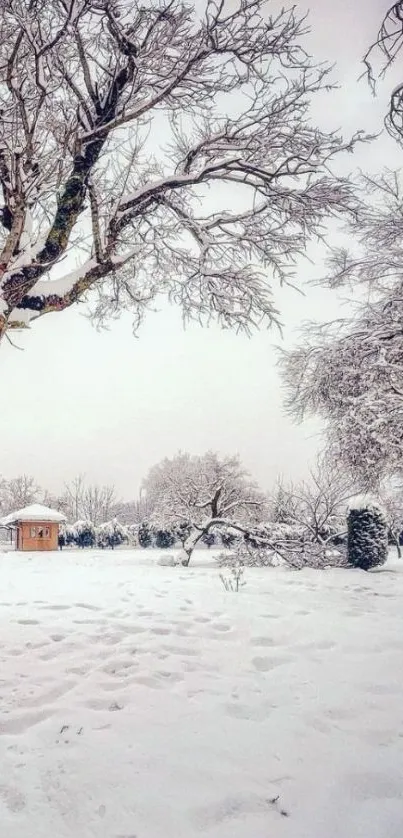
(36, 527)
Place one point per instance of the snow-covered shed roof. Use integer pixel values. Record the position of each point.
(35, 512)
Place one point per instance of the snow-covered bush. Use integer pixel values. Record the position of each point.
(84, 533)
(111, 534)
(67, 535)
(132, 535)
(163, 538)
(367, 544)
(145, 536)
(276, 533)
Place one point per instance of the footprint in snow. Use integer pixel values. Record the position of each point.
(12, 798)
(247, 713)
(262, 641)
(266, 664)
(28, 622)
(179, 650)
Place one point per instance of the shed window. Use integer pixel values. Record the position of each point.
(40, 532)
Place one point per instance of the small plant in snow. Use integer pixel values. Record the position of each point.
(367, 544)
(233, 581)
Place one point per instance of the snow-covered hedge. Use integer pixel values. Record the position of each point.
(111, 535)
(85, 534)
(367, 544)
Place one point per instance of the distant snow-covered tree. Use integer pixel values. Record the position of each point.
(89, 87)
(73, 498)
(98, 503)
(19, 492)
(89, 501)
(129, 513)
(317, 504)
(58, 502)
(391, 497)
(207, 492)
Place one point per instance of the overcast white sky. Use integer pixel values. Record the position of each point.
(110, 406)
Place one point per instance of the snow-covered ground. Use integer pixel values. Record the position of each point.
(140, 701)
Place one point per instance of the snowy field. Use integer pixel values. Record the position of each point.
(140, 701)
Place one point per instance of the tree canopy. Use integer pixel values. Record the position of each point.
(157, 148)
(202, 492)
(350, 372)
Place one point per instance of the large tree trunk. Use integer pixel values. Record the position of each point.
(191, 541)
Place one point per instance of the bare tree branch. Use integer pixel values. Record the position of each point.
(86, 86)
(387, 47)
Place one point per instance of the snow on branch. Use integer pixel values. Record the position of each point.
(202, 492)
(123, 132)
(350, 373)
(387, 46)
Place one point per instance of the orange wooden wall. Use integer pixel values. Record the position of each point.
(27, 540)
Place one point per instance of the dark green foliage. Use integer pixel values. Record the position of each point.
(367, 543)
(111, 535)
(250, 541)
(208, 539)
(145, 535)
(70, 536)
(164, 539)
(182, 531)
(227, 538)
(85, 534)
